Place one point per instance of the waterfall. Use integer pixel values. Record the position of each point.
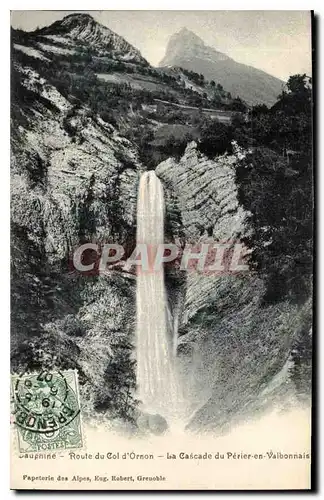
(157, 381)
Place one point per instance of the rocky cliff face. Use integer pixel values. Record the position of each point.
(206, 195)
(230, 341)
(74, 180)
(187, 50)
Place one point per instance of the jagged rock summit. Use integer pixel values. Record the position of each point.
(85, 29)
(185, 43)
(188, 50)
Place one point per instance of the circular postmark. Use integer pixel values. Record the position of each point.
(44, 402)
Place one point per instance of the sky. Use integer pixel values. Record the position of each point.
(278, 42)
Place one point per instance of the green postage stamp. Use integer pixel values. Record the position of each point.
(46, 411)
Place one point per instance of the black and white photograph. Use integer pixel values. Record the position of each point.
(162, 249)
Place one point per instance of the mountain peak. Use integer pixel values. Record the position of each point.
(185, 44)
(187, 50)
(77, 21)
(80, 18)
(185, 31)
(79, 15)
(187, 36)
(84, 28)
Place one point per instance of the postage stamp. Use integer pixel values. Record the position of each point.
(46, 410)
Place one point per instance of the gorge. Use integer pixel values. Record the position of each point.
(81, 153)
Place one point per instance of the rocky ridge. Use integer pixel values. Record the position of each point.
(187, 50)
(82, 28)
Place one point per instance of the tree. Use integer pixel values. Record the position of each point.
(240, 133)
(298, 96)
(215, 138)
(277, 193)
(259, 109)
(287, 125)
(297, 84)
(279, 200)
(238, 105)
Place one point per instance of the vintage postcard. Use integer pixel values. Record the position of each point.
(162, 250)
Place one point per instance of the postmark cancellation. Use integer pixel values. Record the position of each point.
(46, 411)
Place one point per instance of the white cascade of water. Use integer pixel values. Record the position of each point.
(157, 381)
